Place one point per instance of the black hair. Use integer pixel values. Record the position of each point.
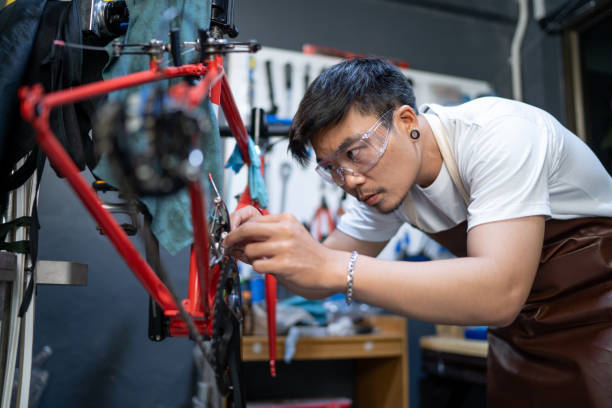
(371, 85)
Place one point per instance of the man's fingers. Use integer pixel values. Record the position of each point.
(257, 250)
(260, 228)
(239, 217)
(264, 265)
(249, 232)
(284, 217)
(238, 253)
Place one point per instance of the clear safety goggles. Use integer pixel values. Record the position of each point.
(359, 154)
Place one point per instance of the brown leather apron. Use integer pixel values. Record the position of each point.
(558, 351)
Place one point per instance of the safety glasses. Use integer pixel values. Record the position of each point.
(359, 154)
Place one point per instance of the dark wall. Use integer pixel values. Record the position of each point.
(467, 39)
(543, 75)
(103, 357)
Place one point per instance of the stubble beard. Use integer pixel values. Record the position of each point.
(385, 207)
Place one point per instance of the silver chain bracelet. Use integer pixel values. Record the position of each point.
(349, 277)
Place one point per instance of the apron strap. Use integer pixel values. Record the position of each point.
(447, 154)
(448, 158)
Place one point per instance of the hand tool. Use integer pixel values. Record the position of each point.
(288, 89)
(285, 173)
(273, 108)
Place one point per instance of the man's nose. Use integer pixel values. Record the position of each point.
(352, 180)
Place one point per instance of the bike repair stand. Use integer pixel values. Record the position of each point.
(17, 333)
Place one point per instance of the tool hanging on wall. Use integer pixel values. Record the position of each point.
(288, 90)
(306, 77)
(285, 173)
(273, 107)
(251, 82)
(323, 221)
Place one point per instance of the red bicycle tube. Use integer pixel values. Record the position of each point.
(270, 282)
(270, 304)
(206, 86)
(200, 241)
(234, 120)
(193, 289)
(103, 87)
(271, 314)
(271, 309)
(66, 167)
(215, 91)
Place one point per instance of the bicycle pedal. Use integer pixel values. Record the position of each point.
(130, 229)
(103, 186)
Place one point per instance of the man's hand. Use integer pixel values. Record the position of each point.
(242, 215)
(280, 245)
(237, 218)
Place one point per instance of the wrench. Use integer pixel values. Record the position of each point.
(285, 173)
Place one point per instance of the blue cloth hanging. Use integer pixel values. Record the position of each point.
(257, 187)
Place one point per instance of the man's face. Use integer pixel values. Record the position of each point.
(384, 185)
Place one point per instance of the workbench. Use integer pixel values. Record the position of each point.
(381, 359)
(456, 370)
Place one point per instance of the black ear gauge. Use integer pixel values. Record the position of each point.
(415, 134)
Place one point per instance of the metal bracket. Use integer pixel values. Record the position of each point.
(61, 273)
(47, 272)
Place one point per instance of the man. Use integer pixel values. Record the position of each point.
(521, 201)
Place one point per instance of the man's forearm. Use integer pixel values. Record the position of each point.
(487, 288)
(464, 291)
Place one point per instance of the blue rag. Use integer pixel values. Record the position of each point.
(314, 307)
(171, 214)
(257, 187)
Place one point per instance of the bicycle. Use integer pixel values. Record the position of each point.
(212, 307)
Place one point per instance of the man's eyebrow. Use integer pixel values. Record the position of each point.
(345, 143)
(348, 141)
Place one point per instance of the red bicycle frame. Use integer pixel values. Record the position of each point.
(36, 106)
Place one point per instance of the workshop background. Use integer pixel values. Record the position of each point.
(101, 354)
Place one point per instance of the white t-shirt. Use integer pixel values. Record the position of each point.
(514, 160)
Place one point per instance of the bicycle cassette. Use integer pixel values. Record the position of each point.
(153, 141)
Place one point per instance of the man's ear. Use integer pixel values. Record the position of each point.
(406, 119)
